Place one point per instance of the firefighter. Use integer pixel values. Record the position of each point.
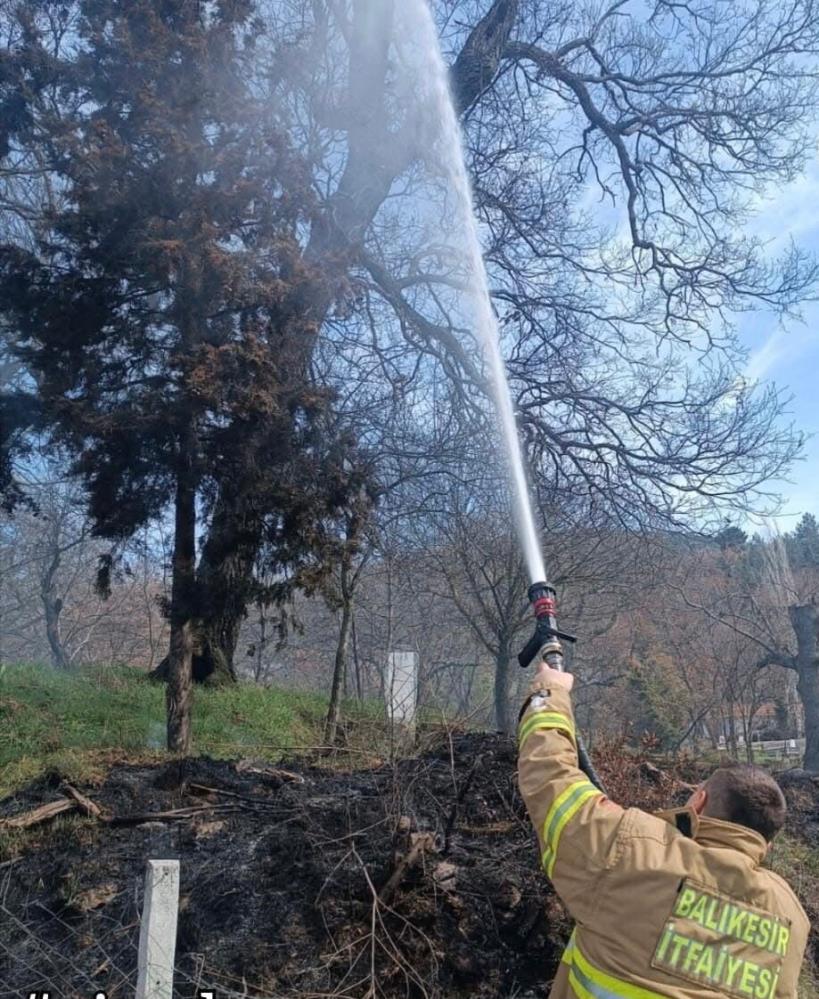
(676, 904)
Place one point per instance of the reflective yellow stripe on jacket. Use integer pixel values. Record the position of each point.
(589, 982)
(543, 720)
(563, 808)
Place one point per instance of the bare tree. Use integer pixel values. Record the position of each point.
(772, 606)
(49, 609)
(354, 555)
(480, 565)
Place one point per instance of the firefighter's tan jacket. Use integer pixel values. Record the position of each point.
(664, 905)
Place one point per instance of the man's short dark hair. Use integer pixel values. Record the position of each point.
(747, 795)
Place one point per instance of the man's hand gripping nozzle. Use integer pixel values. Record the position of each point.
(545, 645)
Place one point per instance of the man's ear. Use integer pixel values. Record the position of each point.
(698, 800)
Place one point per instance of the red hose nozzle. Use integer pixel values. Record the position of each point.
(543, 599)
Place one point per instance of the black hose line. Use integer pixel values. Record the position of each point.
(586, 765)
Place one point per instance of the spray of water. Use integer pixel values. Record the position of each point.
(421, 26)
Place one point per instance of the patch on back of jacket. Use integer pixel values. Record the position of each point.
(721, 943)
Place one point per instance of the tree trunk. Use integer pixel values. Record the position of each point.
(342, 648)
(217, 638)
(224, 584)
(262, 644)
(502, 657)
(711, 733)
(52, 607)
(180, 660)
(477, 64)
(804, 624)
(385, 694)
(731, 731)
(466, 681)
(359, 686)
(747, 719)
(808, 687)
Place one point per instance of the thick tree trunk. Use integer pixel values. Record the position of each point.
(804, 621)
(225, 581)
(224, 584)
(178, 693)
(216, 641)
(477, 64)
(342, 655)
(808, 687)
(502, 658)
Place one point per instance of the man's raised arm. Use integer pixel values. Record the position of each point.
(577, 826)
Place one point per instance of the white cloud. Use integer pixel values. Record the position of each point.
(781, 347)
(792, 211)
(763, 360)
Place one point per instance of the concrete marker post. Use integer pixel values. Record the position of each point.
(157, 932)
(402, 693)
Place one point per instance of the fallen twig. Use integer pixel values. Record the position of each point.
(492, 829)
(86, 805)
(174, 815)
(41, 814)
(248, 767)
(204, 789)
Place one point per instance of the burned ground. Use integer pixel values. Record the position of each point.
(418, 878)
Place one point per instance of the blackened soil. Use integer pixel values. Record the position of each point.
(301, 887)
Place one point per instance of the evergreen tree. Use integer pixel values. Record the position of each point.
(731, 536)
(803, 544)
(155, 308)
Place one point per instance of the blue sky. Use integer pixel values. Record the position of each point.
(789, 354)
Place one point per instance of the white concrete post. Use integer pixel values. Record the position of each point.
(402, 690)
(157, 932)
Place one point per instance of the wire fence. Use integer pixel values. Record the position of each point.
(41, 952)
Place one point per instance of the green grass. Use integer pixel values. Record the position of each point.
(67, 721)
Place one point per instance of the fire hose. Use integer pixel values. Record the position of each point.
(546, 644)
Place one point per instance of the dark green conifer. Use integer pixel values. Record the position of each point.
(156, 308)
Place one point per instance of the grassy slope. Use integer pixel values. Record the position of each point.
(73, 722)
